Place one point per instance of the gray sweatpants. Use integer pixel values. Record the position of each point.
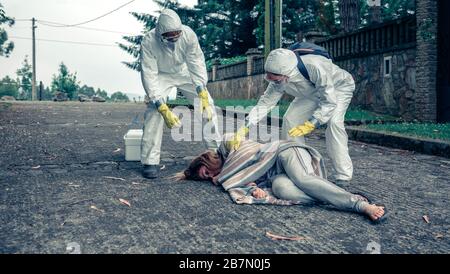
(297, 182)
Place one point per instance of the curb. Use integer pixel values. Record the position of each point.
(421, 145)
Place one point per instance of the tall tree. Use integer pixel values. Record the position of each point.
(119, 96)
(349, 11)
(65, 82)
(224, 28)
(299, 17)
(5, 46)
(101, 93)
(327, 19)
(25, 75)
(86, 90)
(9, 87)
(393, 9)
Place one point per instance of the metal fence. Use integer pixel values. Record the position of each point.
(389, 36)
(386, 37)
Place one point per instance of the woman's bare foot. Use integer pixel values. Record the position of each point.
(374, 212)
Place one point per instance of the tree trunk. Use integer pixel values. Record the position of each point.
(349, 12)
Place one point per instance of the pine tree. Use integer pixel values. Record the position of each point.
(65, 82)
(393, 9)
(9, 87)
(5, 46)
(349, 11)
(327, 19)
(224, 28)
(25, 75)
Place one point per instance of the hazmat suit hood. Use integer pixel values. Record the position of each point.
(168, 21)
(282, 61)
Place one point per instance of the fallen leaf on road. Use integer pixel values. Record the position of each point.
(426, 219)
(125, 202)
(114, 178)
(278, 237)
(163, 167)
(35, 167)
(439, 236)
(117, 150)
(96, 208)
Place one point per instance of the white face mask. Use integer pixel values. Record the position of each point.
(170, 45)
(279, 83)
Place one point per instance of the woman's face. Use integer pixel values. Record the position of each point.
(207, 174)
(206, 166)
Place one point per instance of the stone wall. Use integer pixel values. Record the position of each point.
(247, 87)
(363, 54)
(394, 94)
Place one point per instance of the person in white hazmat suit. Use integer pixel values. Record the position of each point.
(171, 57)
(323, 99)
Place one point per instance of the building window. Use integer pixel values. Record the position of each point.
(387, 66)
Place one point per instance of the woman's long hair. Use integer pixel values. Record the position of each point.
(210, 159)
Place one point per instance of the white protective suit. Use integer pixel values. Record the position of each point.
(326, 101)
(165, 66)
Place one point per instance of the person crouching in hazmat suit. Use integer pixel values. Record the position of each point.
(323, 99)
(171, 57)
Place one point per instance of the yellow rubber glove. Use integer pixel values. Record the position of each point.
(204, 103)
(169, 117)
(302, 130)
(235, 142)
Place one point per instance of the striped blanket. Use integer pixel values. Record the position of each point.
(253, 165)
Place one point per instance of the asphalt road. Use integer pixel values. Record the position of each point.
(62, 175)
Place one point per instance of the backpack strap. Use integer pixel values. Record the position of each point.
(302, 68)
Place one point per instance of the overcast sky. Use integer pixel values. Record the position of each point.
(96, 66)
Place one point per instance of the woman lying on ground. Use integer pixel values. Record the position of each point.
(280, 172)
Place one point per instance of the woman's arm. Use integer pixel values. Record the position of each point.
(258, 193)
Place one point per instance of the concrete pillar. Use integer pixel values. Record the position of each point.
(251, 54)
(215, 65)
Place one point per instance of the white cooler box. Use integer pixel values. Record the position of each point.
(133, 140)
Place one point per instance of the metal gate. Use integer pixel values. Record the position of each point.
(443, 81)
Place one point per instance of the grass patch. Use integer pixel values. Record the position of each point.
(226, 61)
(356, 114)
(353, 114)
(432, 131)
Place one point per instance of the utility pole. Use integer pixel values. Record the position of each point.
(33, 82)
(272, 25)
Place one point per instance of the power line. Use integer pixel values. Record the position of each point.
(66, 42)
(55, 24)
(96, 18)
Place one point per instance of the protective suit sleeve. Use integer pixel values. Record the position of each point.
(195, 60)
(320, 74)
(149, 70)
(265, 104)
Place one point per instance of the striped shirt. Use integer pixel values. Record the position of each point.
(254, 162)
